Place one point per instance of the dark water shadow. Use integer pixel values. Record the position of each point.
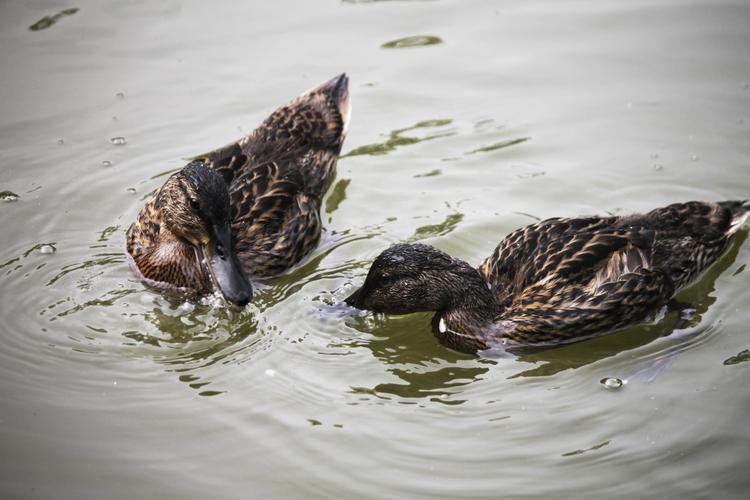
(398, 138)
(698, 295)
(425, 369)
(443, 228)
(337, 196)
(498, 145)
(412, 41)
(49, 21)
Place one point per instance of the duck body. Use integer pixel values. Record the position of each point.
(556, 281)
(263, 193)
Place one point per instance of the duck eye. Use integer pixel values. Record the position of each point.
(194, 204)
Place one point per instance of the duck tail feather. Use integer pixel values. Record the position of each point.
(740, 212)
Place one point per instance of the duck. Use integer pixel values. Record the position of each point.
(557, 281)
(249, 209)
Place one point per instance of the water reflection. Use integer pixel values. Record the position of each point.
(740, 357)
(188, 339)
(397, 138)
(337, 196)
(423, 367)
(441, 229)
(8, 196)
(49, 21)
(412, 41)
(498, 145)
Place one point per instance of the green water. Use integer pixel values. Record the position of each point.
(469, 120)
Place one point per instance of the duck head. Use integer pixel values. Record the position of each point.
(409, 278)
(194, 204)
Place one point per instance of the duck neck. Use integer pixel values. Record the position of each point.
(468, 314)
(470, 299)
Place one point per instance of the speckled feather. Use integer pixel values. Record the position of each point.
(276, 178)
(566, 278)
(556, 281)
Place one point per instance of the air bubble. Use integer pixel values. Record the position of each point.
(47, 248)
(186, 308)
(612, 383)
(106, 163)
(131, 190)
(61, 141)
(694, 158)
(118, 141)
(120, 95)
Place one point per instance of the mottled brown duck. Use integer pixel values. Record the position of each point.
(251, 208)
(557, 281)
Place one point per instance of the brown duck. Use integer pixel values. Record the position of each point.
(557, 281)
(251, 208)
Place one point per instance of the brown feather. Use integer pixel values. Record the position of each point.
(275, 177)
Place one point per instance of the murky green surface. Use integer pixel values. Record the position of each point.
(470, 119)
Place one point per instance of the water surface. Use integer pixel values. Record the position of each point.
(470, 119)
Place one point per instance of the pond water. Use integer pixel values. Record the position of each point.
(469, 120)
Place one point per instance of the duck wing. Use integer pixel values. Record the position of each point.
(565, 278)
(278, 175)
(520, 257)
(592, 283)
(274, 221)
(306, 133)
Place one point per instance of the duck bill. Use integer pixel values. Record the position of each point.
(225, 270)
(356, 299)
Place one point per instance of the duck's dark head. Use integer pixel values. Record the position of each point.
(409, 278)
(194, 206)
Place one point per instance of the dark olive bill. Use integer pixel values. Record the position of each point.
(225, 269)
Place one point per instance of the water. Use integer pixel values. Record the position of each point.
(469, 120)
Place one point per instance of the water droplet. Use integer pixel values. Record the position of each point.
(658, 166)
(61, 141)
(106, 163)
(120, 95)
(8, 196)
(186, 308)
(118, 141)
(47, 248)
(412, 41)
(654, 156)
(612, 383)
(270, 372)
(131, 191)
(694, 158)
